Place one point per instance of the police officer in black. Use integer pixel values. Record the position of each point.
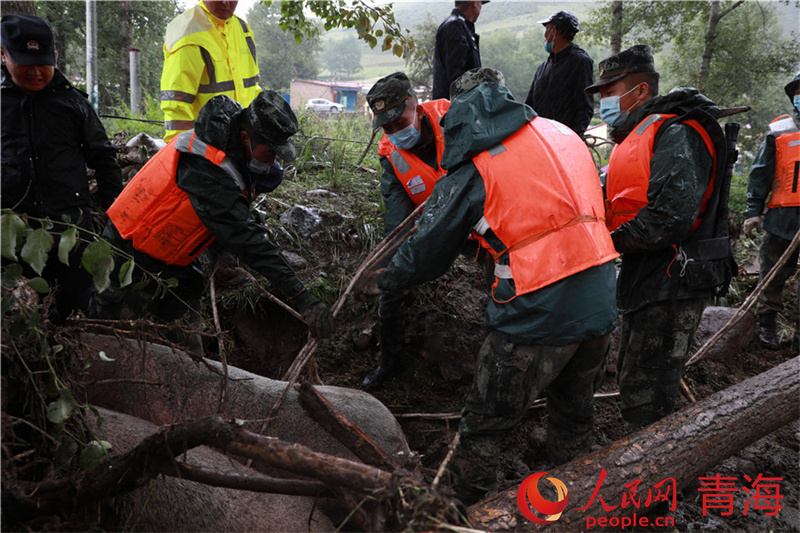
(457, 47)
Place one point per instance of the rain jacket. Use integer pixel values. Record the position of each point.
(456, 51)
(425, 158)
(48, 140)
(557, 88)
(219, 203)
(680, 170)
(781, 221)
(574, 309)
(205, 56)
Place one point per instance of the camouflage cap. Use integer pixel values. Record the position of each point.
(565, 22)
(637, 58)
(388, 98)
(271, 117)
(472, 78)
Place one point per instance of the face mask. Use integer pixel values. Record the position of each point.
(548, 47)
(610, 112)
(796, 101)
(407, 137)
(257, 167)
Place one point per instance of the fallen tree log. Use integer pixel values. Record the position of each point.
(680, 447)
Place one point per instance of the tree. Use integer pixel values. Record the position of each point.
(342, 57)
(516, 56)
(280, 58)
(420, 63)
(370, 21)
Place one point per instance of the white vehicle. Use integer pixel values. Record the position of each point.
(321, 104)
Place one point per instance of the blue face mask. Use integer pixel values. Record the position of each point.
(796, 101)
(256, 167)
(610, 112)
(406, 138)
(548, 47)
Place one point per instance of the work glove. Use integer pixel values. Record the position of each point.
(752, 223)
(366, 288)
(315, 313)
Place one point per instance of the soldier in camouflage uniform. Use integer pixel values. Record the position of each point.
(660, 306)
(782, 218)
(551, 335)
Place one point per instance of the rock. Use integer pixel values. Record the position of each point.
(734, 341)
(172, 504)
(296, 261)
(166, 386)
(309, 222)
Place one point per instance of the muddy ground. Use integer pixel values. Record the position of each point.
(445, 332)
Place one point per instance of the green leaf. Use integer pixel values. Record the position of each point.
(66, 243)
(126, 273)
(7, 302)
(59, 410)
(11, 274)
(10, 228)
(40, 285)
(93, 454)
(98, 261)
(36, 248)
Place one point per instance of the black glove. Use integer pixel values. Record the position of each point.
(315, 313)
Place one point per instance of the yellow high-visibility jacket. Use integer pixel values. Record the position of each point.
(205, 56)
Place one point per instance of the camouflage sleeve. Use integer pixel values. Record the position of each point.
(760, 182)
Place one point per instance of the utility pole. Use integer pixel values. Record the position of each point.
(91, 51)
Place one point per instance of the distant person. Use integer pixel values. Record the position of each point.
(196, 191)
(557, 91)
(457, 47)
(410, 157)
(773, 184)
(208, 51)
(50, 134)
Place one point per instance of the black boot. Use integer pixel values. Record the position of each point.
(766, 332)
(390, 365)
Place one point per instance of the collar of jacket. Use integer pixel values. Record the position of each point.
(219, 24)
(459, 15)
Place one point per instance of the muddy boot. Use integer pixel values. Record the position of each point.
(766, 332)
(390, 365)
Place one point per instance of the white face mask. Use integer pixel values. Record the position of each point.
(255, 166)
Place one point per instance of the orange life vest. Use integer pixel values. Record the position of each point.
(629, 171)
(418, 178)
(785, 191)
(156, 215)
(549, 213)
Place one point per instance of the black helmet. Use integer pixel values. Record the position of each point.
(566, 23)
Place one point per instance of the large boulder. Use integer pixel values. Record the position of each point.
(172, 504)
(166, 386)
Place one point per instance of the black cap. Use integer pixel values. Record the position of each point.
(388, 98)
(28, 39)
(637, 58)
(474, 77)
(565, 22)
(791, 87)
(272, 118)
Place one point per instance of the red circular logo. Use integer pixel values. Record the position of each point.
(529, 492)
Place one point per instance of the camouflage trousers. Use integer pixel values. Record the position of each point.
(654, 346)
(508, 378)
(771, 300)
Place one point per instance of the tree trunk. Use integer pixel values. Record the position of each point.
(615, 28)
(680, 447)
(126, 38)
(714, 17)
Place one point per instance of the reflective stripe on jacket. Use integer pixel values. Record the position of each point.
(416, 177)
(629, 171)
(156, 215)
(785, 192)
(549, 216)
(204, 57)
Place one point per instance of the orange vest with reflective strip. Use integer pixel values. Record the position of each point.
(629, 171)
(156, 215)
(543, 199)
(418, 178)
(785, 191)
